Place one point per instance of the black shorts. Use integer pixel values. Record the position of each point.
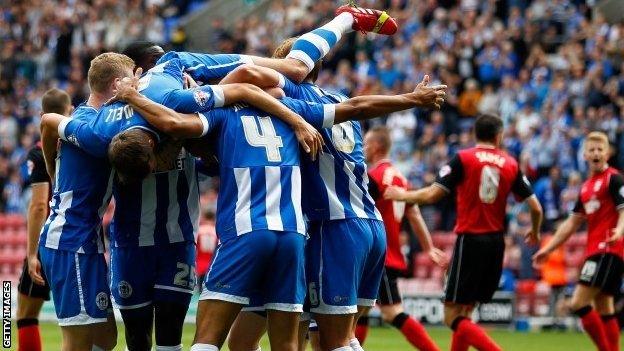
(603, 271)
(476, 268)
(27, 287)
(388, 289)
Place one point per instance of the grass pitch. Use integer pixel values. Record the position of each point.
(385, 339)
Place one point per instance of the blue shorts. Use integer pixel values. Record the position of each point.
(267, 265)
(345, 260)
(143, 275)
(79, 285)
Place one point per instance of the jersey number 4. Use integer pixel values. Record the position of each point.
(266, 137)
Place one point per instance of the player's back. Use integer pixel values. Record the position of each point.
(337, 182)
(488, 177)
(164, 208)
(81, 194)
(260, 178)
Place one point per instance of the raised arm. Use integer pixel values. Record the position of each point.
(371, 106)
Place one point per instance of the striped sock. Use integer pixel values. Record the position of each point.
(314, 45)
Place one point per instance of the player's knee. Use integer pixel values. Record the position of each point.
(27, 307)
(297, 70)
(106, 338)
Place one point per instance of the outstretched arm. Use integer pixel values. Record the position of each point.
(371, 106)
(425, 196)
(567, 228)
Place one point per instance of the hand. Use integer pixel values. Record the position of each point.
(34, 270)
(539, 257)
(615, 236)
(430, 97)
(532, 238)
(394, 193)
(125, 87)
(309, 138)
(189, 82)
(438, 257)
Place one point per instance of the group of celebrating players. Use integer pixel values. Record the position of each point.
(301, 240)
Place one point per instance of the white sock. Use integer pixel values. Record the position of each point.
(169, 348)
(204, 347)
(355, 345)
(96, 348)
(344, 348)
(343, 22)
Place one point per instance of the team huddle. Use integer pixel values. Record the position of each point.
(303, 247)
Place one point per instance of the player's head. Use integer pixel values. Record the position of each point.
(377, 143)
(56, 101)
(105, 69)
(284, 48)
(131, 153)
(145, 54)
(489, 129)
(596, 150)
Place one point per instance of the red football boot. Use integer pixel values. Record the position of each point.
(369, 20)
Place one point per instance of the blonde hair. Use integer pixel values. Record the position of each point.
(598, 137)
(105, 68)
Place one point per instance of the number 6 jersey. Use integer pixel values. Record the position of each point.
(483, 177)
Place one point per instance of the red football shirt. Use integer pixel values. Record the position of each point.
(602, 196)
(383, 174)
(483, 177)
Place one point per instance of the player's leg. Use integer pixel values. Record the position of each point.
(235, 273)
(283, 330)
(393, 313)
(356, 342)
(594, 275)
(214, 319)
(105, 334)
(604, 304)
(360, 331)
(29, 302)
(132, 293)
(284, 290)
(341, 249)
(473, 277)
(79, 287)
(304, 328)
(173, 288)
(247, 331)
(314, 45)
(313, 334)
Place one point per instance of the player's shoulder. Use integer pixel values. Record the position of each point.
(84, 112)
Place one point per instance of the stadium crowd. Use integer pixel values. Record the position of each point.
(552, 70)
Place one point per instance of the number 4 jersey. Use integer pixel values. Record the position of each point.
(259, 168)
(483, 177)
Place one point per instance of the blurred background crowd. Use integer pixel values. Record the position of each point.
(553, 70)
